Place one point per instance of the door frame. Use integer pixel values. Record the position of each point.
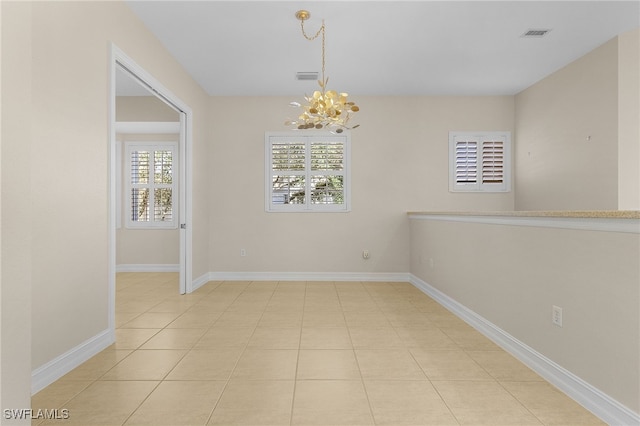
(119, 59)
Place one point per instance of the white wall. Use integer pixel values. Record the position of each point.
(399, 163)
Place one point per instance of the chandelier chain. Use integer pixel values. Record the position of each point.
(320, 31)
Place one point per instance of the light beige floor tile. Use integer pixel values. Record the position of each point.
(224, 337)
(325, 338)
(254, 402)
(449, 365)
(426, 337)
(195, 318)
(503, 366)
(443, 318)
(239, 319)
(375, 338)
(267, 364)
(58, 393)
(178, 403)
(145, 365)
(483, 385)
(124, 317)
(469, 339)
(407, 403)
(247, 307)
(275, 338)
(151, 320)
(286, 304)
(98, 365)
(281, 319)
(327, 364)
(173, 306)
(331, 402)
(124, 305)
(133, 338)
(106, 403)
(206, 364)
(354, 305)
(425, 304)
(322, 305)
(212, 304)
(409, 319)
(549, 405)
(483, 403)
(317, 319)
(176, 338)
(389, 364)
(366, 319)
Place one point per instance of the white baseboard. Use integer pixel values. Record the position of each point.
(308, 276)
(48, 373)
(200, 281)
(148, 267)
(594, 400)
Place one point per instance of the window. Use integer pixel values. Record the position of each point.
(151, 185)
(307, 172)
(479, 161)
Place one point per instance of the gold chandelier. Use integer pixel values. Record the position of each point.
(326, 108)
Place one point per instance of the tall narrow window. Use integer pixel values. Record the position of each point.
(479, 161)
(151, 184)
(307, 173)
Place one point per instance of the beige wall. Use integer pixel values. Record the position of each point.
(567, 137)
(399, 163)
(145, 246)
(17, 213)
(512, 275)
(64, 47)
(629, 121)
(144, 108)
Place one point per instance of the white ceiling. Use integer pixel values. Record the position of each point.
(240, 48)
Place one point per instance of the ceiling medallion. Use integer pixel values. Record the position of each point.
(325, 108)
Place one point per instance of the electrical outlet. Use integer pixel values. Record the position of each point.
(365, 254)
(556, 315)
(243, 252)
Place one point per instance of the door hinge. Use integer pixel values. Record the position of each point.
(183, 226)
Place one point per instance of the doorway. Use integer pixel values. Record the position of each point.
(127, 76)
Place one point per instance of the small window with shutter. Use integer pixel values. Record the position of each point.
(150, 184)
(306, 172)
(479, 161)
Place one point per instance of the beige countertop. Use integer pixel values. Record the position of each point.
(590, 214)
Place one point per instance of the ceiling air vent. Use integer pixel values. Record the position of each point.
(306, 75)
(535, 33)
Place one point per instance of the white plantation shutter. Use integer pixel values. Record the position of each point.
(479, 161)
(306, 172)
(466, 162)
(493, 161)
(151, 184)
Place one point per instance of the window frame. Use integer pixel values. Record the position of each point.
(307, 139)
(152, 146)
(479, 138)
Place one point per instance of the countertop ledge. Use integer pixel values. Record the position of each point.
(589, 214)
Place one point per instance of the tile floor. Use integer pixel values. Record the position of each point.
(299, 353)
